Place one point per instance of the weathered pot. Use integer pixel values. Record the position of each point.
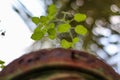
(58, 64)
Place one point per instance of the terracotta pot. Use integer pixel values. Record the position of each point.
(58, 64)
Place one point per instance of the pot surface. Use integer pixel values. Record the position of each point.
(58, 64)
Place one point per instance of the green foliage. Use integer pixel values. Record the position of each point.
(35, 20)
(43, 20)
(52, 25)
(75, 40)
(66, 44)
(2, 64)
(52, 9)
(46, 26)
(80, 29)
(52, 33)
(37, 35)
(64, 28)
(79, 17)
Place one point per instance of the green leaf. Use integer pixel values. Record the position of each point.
(65, 44)
(37, 35)
(80, 29)
(51, 25)
(52, 9)
(2, 62)
(36, 20)
(2, 66)
(52, 33)
(64, 28)
(43, 19)
(38, 28)
(79, 17)
(75, 40)
(44, 30)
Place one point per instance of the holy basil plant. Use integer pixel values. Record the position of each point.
(46, 25)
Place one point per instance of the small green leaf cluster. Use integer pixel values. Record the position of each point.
(2, 64)
(46, 26)
(66, 28)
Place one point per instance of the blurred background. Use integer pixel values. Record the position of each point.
(103, 23)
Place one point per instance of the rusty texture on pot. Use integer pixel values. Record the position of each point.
(58, 64)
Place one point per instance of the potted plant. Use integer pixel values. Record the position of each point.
(63, 62)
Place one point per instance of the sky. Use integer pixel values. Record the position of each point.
(17, 36)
